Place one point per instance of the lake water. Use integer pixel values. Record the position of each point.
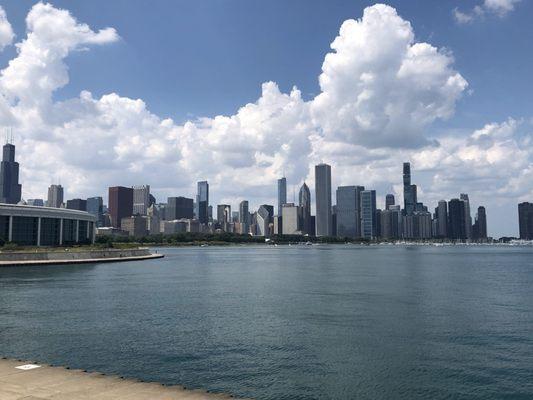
(300, 322)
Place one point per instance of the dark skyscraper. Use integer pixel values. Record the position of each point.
(409, 191)
(178, 208)
(456, 219)
(368, 214)
(10, 187)
(304, 198)
(203, 202)
(282, 193)
(347, 216)
(389, 201)
(525, 220)
(323, 200)
(77, 204)
(441, 215)
(120, 204)
(480, 224)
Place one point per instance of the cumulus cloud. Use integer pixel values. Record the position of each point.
(499, 8)
(6, 31)
(379, 87)
(380, 93)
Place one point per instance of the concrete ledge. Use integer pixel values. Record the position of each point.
(78, 260)
(44, 382)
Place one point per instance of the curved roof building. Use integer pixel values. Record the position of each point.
(45, 226)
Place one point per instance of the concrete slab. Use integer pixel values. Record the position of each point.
(56, 383)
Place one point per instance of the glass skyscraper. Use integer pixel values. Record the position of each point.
(203, 202)
(323, 200)
(282, 193)
(10, 188)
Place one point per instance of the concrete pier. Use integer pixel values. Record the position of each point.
(26, 380)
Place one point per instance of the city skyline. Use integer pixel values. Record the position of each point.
(121, 136)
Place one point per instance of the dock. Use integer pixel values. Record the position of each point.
(28, 380)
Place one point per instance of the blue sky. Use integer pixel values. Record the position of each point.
(205, 58)
(196, 60)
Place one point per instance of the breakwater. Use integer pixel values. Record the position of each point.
(74, 256)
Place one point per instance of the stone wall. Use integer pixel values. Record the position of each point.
(71, 254)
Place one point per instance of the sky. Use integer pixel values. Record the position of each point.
(240, 93)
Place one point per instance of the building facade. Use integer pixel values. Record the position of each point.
(45, 226)
(10, 188)
(55, 196)
(304, 202)
(179, 208)
(202, 200)
(525, 220)
(323, 215)
(347, 216)
(77, 204)
(141, 199)
(120, 204)
(368, 214)
(282, 193)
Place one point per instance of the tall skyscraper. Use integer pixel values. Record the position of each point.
(120, 204)
(55, 196)
(441, 214)
(223, 214)
(368, 214)
(525, 220)
(244, 216)
(468, 216)
(409, 190)
(304, 201)
(141, 199)
(347, 216)
(10, 188)
(323, 200)
(203, 202)
(282, 193)
(456, 219)
(95, 206)
(479, 229)
(179, 208)
(263, 219)
(389, 201)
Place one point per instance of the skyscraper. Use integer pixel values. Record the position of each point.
(77, 204)
(304, 201)
(223, 214)
(55, 196)
(347, 220)
(120, 204)
(468, 216)
(441, 214)
(203, 202)
(289, 213)
(525, 220)
(409, 191)
(141, 199)
(244, 216)
(368, 214)
(282, 193)
(263, 219)
(479, 230)
(389, 201)
(179, 208)
(456, 219)
(323, 200)
(10, 188)
(95, 206)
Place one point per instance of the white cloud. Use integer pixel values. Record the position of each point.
(6, 31)
(499, 8)
(380, 87)
(380, 93)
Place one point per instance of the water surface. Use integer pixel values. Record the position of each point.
(300, 322)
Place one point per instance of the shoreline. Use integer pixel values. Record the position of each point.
(21, 379)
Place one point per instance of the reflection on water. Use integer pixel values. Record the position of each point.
(288, 322)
